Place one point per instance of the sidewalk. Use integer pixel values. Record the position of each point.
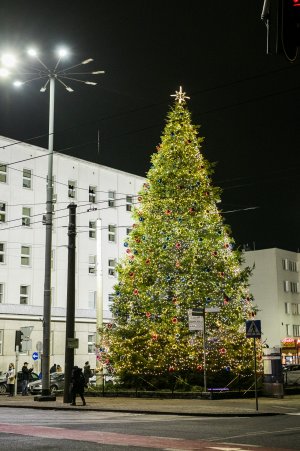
(196, 407)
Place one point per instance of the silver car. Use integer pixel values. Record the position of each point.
(57, 383)
(291, 374)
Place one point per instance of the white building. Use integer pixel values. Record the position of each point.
(98, 192)
(275, 285)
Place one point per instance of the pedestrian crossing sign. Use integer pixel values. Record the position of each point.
(253, 329)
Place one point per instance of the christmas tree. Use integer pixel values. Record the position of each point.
(179, 256)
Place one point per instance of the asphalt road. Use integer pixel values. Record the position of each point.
(85, 430)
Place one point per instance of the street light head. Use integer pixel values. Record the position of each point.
(90, 83)
(18, 83)
(89, 60)
(96, 72)
(62, 52)
(8, 60)
(69, 89)
(32, 52)
(43, 89)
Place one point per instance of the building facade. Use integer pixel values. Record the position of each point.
(275, 285)
(100, 193)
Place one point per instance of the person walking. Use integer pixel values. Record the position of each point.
(77, 385)
(87, 372)
(25, 378)
(10, 379)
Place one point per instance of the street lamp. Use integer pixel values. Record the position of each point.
(50, 75)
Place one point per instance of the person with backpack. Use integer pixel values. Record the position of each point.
(77, 385)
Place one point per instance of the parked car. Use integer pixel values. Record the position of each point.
(57, 382)
(3, 383)
(291, 374)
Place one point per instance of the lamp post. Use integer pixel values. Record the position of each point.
(51, 75)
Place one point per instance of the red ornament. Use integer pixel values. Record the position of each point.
(178, 245)
(135, 291)
(154, 337)
(109, 326)
(215, 253)
(226, 245)
(222, 351)
(171, 369)
(128, 251)
(168, 212)
(199, 367)
(131, 274)
(148, 314)
(222, 274)
(137, 240)
(191, 210)
(140, 198)
(174, 320)
(174, 300)
(147, 261)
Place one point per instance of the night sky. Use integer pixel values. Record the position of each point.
(246, 102)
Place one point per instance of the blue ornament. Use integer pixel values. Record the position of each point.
(126, 244)
(135, 251)
(141, 219)
(164, 246)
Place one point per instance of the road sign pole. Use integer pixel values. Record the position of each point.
(255, 374)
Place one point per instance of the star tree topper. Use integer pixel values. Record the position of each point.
(180, 95)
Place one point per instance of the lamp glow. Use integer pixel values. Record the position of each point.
(4, 72)
(18, 83)
(62, 52)
(32, 52)
(90, 83)
(8, 60)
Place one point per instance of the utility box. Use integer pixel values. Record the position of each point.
(273, 375)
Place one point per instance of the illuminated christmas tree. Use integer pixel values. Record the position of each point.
(179, 256)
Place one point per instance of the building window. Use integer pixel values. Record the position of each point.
(296, 330)
(24, 294)
(294, 309)
(92, 299)
(91, 343)
(287, 307)
(92, 194)
(294, 287)
(27, 177)
(3, 173)
(286, 286)
(92, 229)
(129, 200)
(112, 267)
(2, 252)
(111, 198)
(112, 233)
(71, 189)
(1, 293)
(92, 264)
(2, 212)
(110, 301)
(26, 216)
(25, 255)
(288, 330)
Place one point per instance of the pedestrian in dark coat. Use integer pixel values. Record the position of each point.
(77, 385)
(25, 378)
(87, 372)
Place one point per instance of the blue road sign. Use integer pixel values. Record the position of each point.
(35, 355)
(253, 329)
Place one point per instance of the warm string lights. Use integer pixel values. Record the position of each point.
(179, 256)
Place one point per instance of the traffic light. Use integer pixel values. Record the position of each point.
(290, 28)
(18, 340)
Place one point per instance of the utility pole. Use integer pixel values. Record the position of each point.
(71, 343)
(99, 303)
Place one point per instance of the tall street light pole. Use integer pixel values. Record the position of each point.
(8, 63)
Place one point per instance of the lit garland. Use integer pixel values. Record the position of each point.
(179, 255)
